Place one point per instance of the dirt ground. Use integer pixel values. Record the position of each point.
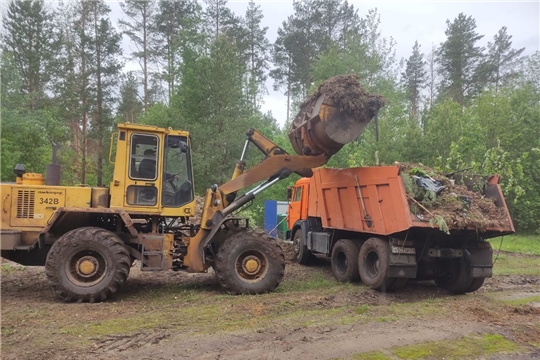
(175, 315)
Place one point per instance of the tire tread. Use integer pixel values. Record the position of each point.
(70, 239)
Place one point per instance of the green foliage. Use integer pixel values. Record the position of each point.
(203, 70)
(439, 221)
(415, 78)
(461, 60)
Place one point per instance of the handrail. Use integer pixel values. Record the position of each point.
(111, 147)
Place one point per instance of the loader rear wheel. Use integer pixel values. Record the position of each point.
(303, 255)
(249, 263)
(345, 261)
(456, 278)
(87, 264)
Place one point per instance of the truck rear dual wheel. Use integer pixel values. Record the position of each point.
(374, 266)
(345, 261)
(457, 278)
(87, 264)
(249, 262)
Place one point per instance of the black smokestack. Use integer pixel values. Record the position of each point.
(52, 176)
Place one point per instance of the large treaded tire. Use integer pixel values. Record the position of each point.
(476, 284)
(457, 280)
(303, 255)
(374, 266)
(104, 249)
(345, 261)
(255, 247)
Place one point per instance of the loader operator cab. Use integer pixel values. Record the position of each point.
(159, 174)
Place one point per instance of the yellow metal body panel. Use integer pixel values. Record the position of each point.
(27, 207)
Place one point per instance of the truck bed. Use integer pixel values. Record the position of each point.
(338, 203)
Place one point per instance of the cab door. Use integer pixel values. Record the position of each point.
(144, 173)
(296, 205)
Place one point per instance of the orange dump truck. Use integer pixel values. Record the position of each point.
(361, 218)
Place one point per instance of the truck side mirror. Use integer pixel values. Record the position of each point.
(289, 193)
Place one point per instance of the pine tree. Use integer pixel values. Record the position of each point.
(461, 60)
(414, 78)
(140, 28)
(315, 27)
(258, 48)
(219, 19)
(176, 21)
(432, 75)
(130, 106)
(29, 36)
(107, 68)
(504, 61)
(336, 21)
(84, 52)
(284, 66)
(215, 109)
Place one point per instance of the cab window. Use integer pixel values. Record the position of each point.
(297, 194)
(143, 155)
(177, 177)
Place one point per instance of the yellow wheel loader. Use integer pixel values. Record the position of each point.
(89, 237)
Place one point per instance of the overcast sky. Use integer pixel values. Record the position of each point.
(406, 22)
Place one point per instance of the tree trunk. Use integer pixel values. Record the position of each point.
(145, 58)
(99, 104)
(84, 99)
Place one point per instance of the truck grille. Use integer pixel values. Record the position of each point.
(25, 204)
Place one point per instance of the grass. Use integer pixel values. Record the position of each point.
(523, 301)
(468, 347)
(516, 265)
(324, 303)
(6, 269)
(372, 355)
(523, 244)
(318, 281)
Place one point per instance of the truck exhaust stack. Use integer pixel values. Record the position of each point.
(335, 115)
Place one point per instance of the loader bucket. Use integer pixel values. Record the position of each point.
(321, 127)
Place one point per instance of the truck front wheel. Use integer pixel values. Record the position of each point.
(249, 263)
(303, 255)
(345, 261)
(87, 264)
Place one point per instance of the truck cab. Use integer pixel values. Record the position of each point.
(298, 202)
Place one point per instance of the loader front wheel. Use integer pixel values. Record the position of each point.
(87, 264)
(249, 263)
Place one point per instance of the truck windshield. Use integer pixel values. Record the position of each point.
(177, 178)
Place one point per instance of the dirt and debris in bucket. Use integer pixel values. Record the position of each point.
(349, 95)
(453, 207)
